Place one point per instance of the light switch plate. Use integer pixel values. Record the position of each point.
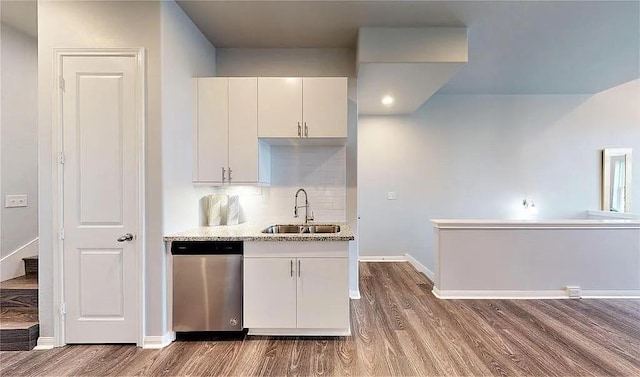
(391, 195)
(11, 201)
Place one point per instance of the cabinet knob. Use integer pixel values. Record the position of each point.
(222, 175)
(306, 130)
(299, 130)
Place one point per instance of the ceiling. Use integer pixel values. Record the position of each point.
(21, 15)
(515, 47)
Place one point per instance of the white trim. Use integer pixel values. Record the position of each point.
(158, 342)
(420, 267)
(354, 294)
(536, 224)
(533, 295)
(11, 266)
(57, 179)
(45, 343)
(382, 258)
(300, 332)
(618, 293)
(612, 215)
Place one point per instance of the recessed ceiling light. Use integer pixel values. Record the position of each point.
(387, 100)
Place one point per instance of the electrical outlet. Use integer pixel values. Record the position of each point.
(391, 195)
(574, 292)
(11, 201)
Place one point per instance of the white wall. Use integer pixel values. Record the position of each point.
(285, 62)
(320, 170)
(96, 24)
(186, 54)
(478, 156)
(19, 137)
(494, 259)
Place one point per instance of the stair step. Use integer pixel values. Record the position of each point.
(19, 329)
(19, 292)
(31, 265)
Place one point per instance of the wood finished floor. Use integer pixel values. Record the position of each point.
(399, 328)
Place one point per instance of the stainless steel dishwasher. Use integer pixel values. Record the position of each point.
(207, 285)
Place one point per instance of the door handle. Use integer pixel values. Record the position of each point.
(222, 175)
(299, 130)
(229, 175)
(306, 130)
(125, 237)
(291, 267)
(299, 267)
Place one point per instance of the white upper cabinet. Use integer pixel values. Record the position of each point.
(226, 131)
(211, 130)
(279, 107)
(324, 106)
(243, 130)
(310, 107)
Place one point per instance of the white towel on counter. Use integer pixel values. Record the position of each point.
(233, 210)
(214, 209)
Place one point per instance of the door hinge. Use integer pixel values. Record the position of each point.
(63, 309)
(61, 83)
(61, 233)
(61, 158)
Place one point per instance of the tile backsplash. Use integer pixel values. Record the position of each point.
(320, 170)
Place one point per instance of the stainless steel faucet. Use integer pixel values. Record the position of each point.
(307, 218)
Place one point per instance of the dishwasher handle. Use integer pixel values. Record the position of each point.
(207, 248)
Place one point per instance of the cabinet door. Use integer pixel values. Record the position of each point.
(323, 293)
(211, 134)
(324, 108)
(243, 130)
(279, 106)
(269, 293)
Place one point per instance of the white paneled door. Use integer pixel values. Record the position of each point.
(101, 202)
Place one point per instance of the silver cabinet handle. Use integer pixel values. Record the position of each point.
(229, 175)
(291, 267)
(299, 130)
(125, 237)
(306, 130)
(222, 175)
(299, 267)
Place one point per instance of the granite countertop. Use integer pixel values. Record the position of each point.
(252, 232)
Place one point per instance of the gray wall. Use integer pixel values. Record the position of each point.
(186, 54)
(478, 156)
(19, 137)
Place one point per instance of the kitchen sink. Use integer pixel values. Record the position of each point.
(302, 229)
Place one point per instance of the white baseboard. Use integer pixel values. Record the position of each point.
(382, 258)
(626, 293)
(45, 343)
(300, 332)
(420, 267)
(11, 266)
(158, 342)
(354, 295)
(533, 295)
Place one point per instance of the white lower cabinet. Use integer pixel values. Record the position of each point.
(269, 293)
(322, 293)
(291, 293)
